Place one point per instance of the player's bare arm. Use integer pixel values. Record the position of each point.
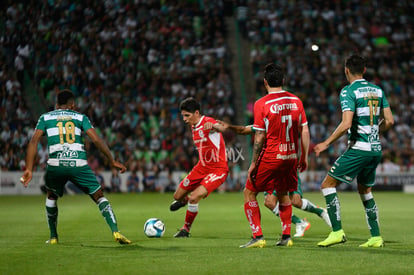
(305, 141)
(342, 128)
(214, 126)
(259, 139)
(388, 119)
(31, 154)
(104, 149)
(241, 130)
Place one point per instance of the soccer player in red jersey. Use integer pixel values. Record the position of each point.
(296, 197)
(279, 121)
(210, 171)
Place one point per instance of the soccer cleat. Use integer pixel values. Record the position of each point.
(52, 241)
(175, 205)
(182, 234)
(374, 242)
(285, 242)
(324, 215)
(255, 243)
(335, 237)
(121, 238)
(301, 228)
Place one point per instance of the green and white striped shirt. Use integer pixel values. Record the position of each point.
(366, 101)
(64, 137)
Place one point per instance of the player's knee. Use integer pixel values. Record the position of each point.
(97, 195)
(296, 202)
(249, 195)
(195, 198)
(329, 182)
(362, 189)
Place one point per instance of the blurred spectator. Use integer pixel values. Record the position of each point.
(115, 181)
(149, 181)
(133, 181)
(69, 186)
(232, 182)
(101, 180)
(388, 166)
(171, 184)
(43, 154)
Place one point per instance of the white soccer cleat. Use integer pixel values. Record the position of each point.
(325, 217)
(301, 228)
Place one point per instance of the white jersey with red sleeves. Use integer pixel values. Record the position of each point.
(210, 145)
(281, 115)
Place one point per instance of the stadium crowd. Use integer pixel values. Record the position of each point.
(130, 63)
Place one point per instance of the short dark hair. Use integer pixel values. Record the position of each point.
(355, 64)
(273, 74)
(64, 97)
(190, 105)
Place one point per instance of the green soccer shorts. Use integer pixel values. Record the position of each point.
(56, 178)
(356, 164)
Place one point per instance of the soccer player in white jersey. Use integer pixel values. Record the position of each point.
(364, 105)
(210, 171)
(67, 161)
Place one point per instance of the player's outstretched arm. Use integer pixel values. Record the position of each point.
(215, 126)
(30, 156)
(241, 130)
(104, 149)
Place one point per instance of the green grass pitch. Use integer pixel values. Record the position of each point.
(86, 245)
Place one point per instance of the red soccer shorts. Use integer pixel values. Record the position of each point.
(280, 175)
(211, 179)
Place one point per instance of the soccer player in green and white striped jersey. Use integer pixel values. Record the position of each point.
(365, 113)
(68, 161)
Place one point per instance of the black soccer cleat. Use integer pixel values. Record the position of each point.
(285, 242)
(175, 205)
(182, 234)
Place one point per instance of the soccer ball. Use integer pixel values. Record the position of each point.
(154, 228)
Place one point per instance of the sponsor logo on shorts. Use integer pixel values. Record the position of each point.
(67, 163)
(347, 178)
